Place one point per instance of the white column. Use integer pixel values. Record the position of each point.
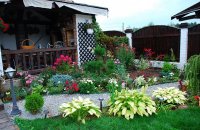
(129, 35)
(1, 63)
(183, 47)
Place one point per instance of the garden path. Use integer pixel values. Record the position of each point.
(52, 102)
(5, 122)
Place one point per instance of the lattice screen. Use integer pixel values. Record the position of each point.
(86, 44)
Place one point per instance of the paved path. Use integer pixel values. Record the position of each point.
(6, 123)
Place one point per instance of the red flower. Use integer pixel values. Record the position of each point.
(75, 87)
(196, 98)
(67, 82)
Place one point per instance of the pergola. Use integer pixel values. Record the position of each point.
(192, 12)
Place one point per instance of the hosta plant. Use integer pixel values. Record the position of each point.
(170, 95)
(79, 109)
(128, 103)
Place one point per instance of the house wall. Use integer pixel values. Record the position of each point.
(45, 38)
(8, 41)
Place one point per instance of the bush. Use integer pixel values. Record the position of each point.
(192, 73)
(79, 109)
(99, 51)
(167, 67)
(94, 66)
(127, 103)
(170, 96)
(110, 66)
(34, 102)
(87, 86)
(126, 56)
(60, 79)
(142, 64)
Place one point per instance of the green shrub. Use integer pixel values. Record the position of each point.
(60, 79)
(126, 57)
(94, 66)
(34, 102)
(87, 86)
(127, 103)
(167, 67)
(120, 40)
(99, 51)
(110, 66)
(56, 90)
(142, 64)
(79, 109)
(192, 73)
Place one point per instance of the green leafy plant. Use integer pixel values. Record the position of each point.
(170, 95)
(142, 64)
(94, 66)
(113, 86)
(38, 89)
(79, 109)
(34, 102)
(192, 73)
(99, 51)
(87, 86)
(167, 67)
(140, 81)
(128, 103)
(126, 56)
(110, 66)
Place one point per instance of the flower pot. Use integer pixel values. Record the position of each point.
(90, 31)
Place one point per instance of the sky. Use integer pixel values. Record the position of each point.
(138, 13)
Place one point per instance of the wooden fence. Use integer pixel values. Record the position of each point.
(115, 33)
(159, 38)
(194, 40)
(36, 59)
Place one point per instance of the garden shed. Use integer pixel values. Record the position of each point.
(51, 27)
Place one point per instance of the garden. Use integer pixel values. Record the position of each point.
(125, 79)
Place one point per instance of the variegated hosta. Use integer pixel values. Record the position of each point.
(127, 103)
(79, 109)
(170, 95)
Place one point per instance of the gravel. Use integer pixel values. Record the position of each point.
(52, 102)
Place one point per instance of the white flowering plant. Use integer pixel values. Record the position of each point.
(140, 81)
(112, 86)
(79, 109)
(169, 96)
(87, 86)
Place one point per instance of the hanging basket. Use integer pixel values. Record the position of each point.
(29, 46)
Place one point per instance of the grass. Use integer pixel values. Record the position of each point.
(183, 119)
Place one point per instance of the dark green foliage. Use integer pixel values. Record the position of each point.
(87, 88)
(166, 58)
(126, 57)
(99, 51)
(94, 66)
(34, 102)
(120, 40)
(110, 66)
(167, 67)
(56, 90)
(170, 120)
(192, 73)
(46, 75)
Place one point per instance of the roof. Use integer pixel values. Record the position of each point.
(84, 8)
(189, 13)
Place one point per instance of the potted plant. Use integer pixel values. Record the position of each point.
(89, 28)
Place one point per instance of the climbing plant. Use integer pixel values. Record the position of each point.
(192, 73)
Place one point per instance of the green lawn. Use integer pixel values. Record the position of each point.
(187, 119)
